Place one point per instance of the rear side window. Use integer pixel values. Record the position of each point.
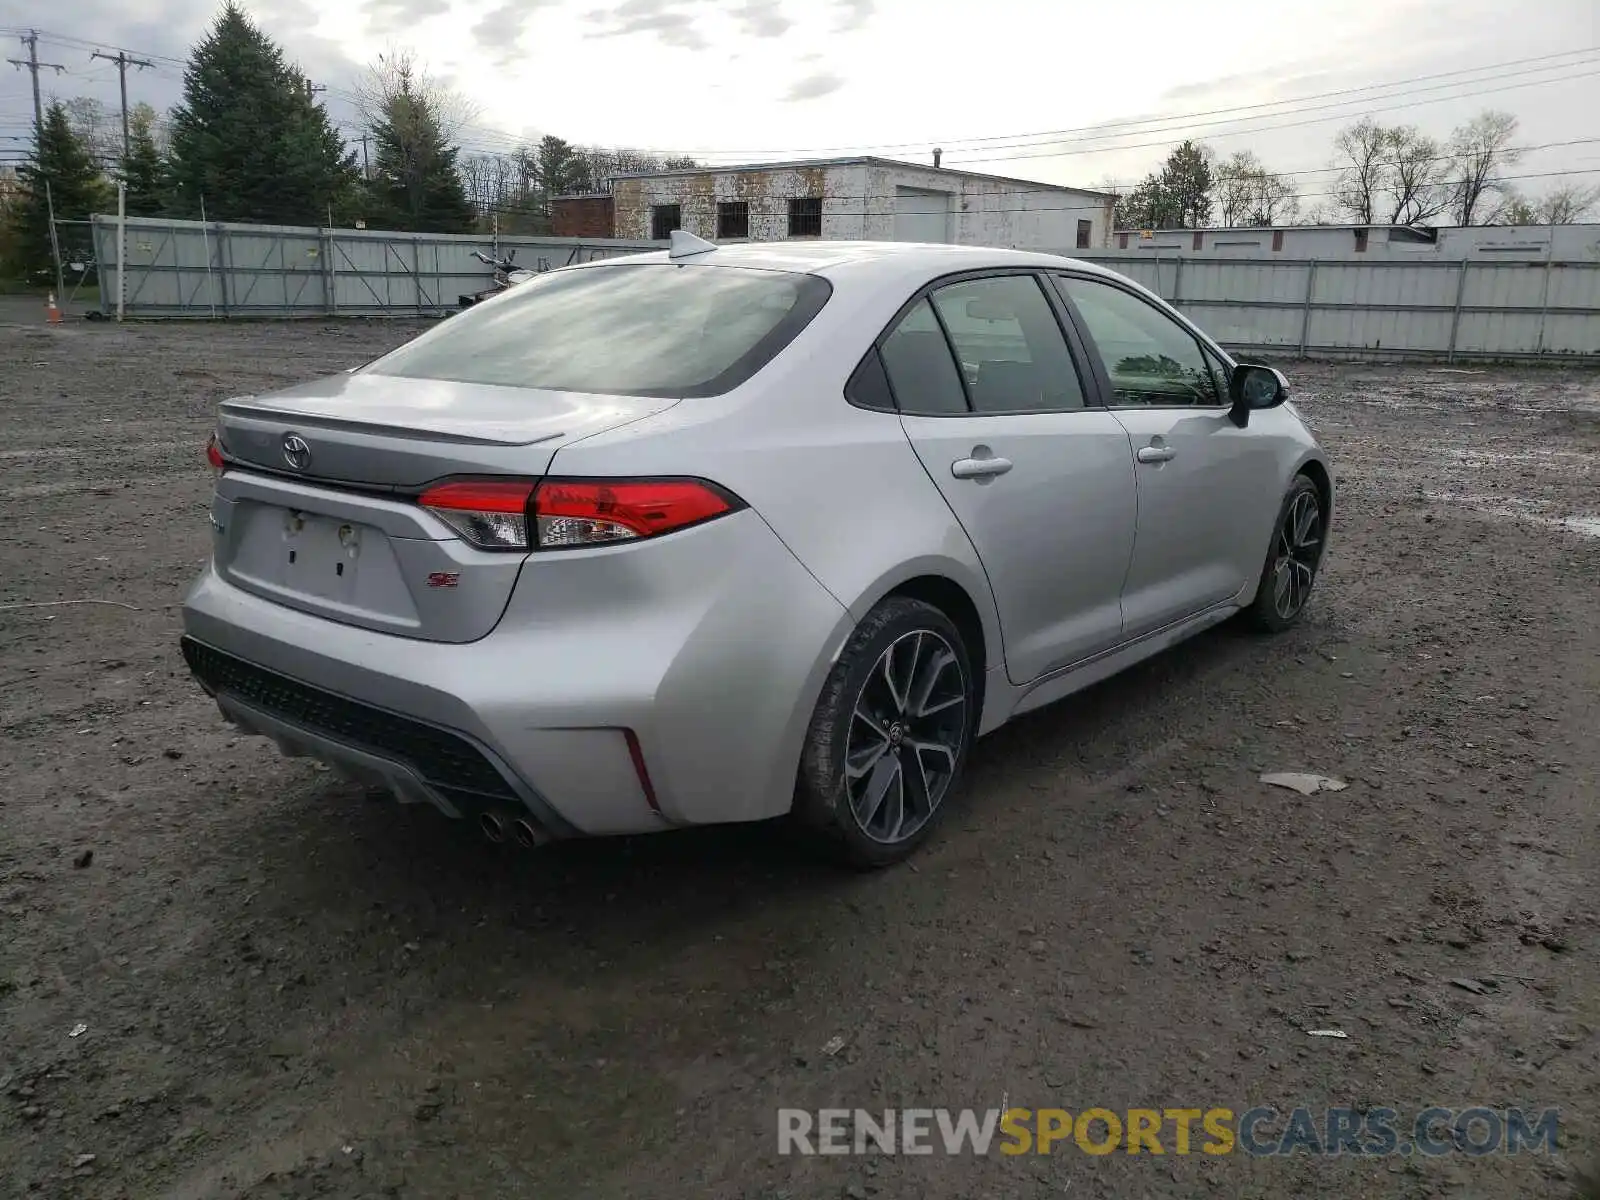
(653, 329)
(920, 366)
(1011, 347)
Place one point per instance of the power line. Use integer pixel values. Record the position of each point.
(1068, 151)
(1408, 103)
(1142, 125)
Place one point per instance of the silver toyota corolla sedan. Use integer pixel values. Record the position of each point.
(719, 534)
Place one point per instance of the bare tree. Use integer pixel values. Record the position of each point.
(1478, 151)
(398, 74)
(1568, 204)
(1415, 175)
(1236, 183)
(1249, 194)
(94, 125)
(1388, 173)
(1361, 154)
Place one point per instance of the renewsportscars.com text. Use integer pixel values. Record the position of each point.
(1258, 1132)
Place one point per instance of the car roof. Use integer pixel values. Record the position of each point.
(865, 261)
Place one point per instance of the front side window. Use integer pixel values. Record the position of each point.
(1010, 345)
(1152, 360)
(920, 368)
(643, 330)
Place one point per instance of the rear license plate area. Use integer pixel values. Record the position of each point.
(318, 556)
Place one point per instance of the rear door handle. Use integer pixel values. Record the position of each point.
(1154, 454)
(979, 468)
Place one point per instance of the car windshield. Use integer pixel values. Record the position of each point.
(649, 329)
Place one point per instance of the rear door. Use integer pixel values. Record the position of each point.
(1202, 481)
(1039, 476)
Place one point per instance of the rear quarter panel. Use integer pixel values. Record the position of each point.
(841, 486)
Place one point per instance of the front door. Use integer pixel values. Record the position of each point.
(1201, 479)
(1040, 478)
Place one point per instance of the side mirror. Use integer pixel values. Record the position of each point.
(1255, 386)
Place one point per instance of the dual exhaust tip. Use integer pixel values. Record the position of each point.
(500, 826)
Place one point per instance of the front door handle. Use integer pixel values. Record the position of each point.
(979, 468)
(1155, 454)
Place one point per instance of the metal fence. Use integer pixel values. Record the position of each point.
(221, 269)
(1439, 308)
(1444, 308)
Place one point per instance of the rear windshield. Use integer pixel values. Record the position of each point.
(649, 329)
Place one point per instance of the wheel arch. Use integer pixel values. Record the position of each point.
(1317, 471)
(961, 597)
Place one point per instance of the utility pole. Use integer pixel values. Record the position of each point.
(366, 165)
(123, 63)
(312, 89)
(31, 41)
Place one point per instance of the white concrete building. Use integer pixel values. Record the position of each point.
(872, 199)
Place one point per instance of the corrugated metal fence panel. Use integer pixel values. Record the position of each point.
(1436, 308)
(185, 268)
(1347, 305)
(1240, 302)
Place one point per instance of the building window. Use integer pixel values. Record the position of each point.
(1122, 241)
(1277, 239)
(1361, 241)
(733, 219)
(805, 217)
(664, 218)
(1084, 231)
(1199, 240)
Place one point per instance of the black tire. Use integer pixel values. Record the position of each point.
(827, 802)
(1293, 550)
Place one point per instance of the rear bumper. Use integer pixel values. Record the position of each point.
(701, 655)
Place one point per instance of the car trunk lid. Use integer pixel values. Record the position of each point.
(317, 507)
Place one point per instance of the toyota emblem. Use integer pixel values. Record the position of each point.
(296, 452)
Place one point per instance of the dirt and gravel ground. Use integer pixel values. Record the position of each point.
(222, 974)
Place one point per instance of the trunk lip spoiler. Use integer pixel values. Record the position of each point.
(316, 420)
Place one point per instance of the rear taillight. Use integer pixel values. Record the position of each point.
(214, 454)
(593, 512)
(568, 513)
(489, 515)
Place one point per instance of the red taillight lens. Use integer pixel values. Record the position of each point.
(594, 512)
(214, 454)
(490, 515)
(564, 513)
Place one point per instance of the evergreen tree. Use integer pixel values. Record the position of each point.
(143, 170)
(76, 189)
(248, 137)
(415, 185)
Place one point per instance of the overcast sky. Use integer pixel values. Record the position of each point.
(1068, 93)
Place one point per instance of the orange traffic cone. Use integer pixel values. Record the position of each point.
(52, 314)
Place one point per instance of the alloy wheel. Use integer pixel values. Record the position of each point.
(1298, 550)
(907, 730)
